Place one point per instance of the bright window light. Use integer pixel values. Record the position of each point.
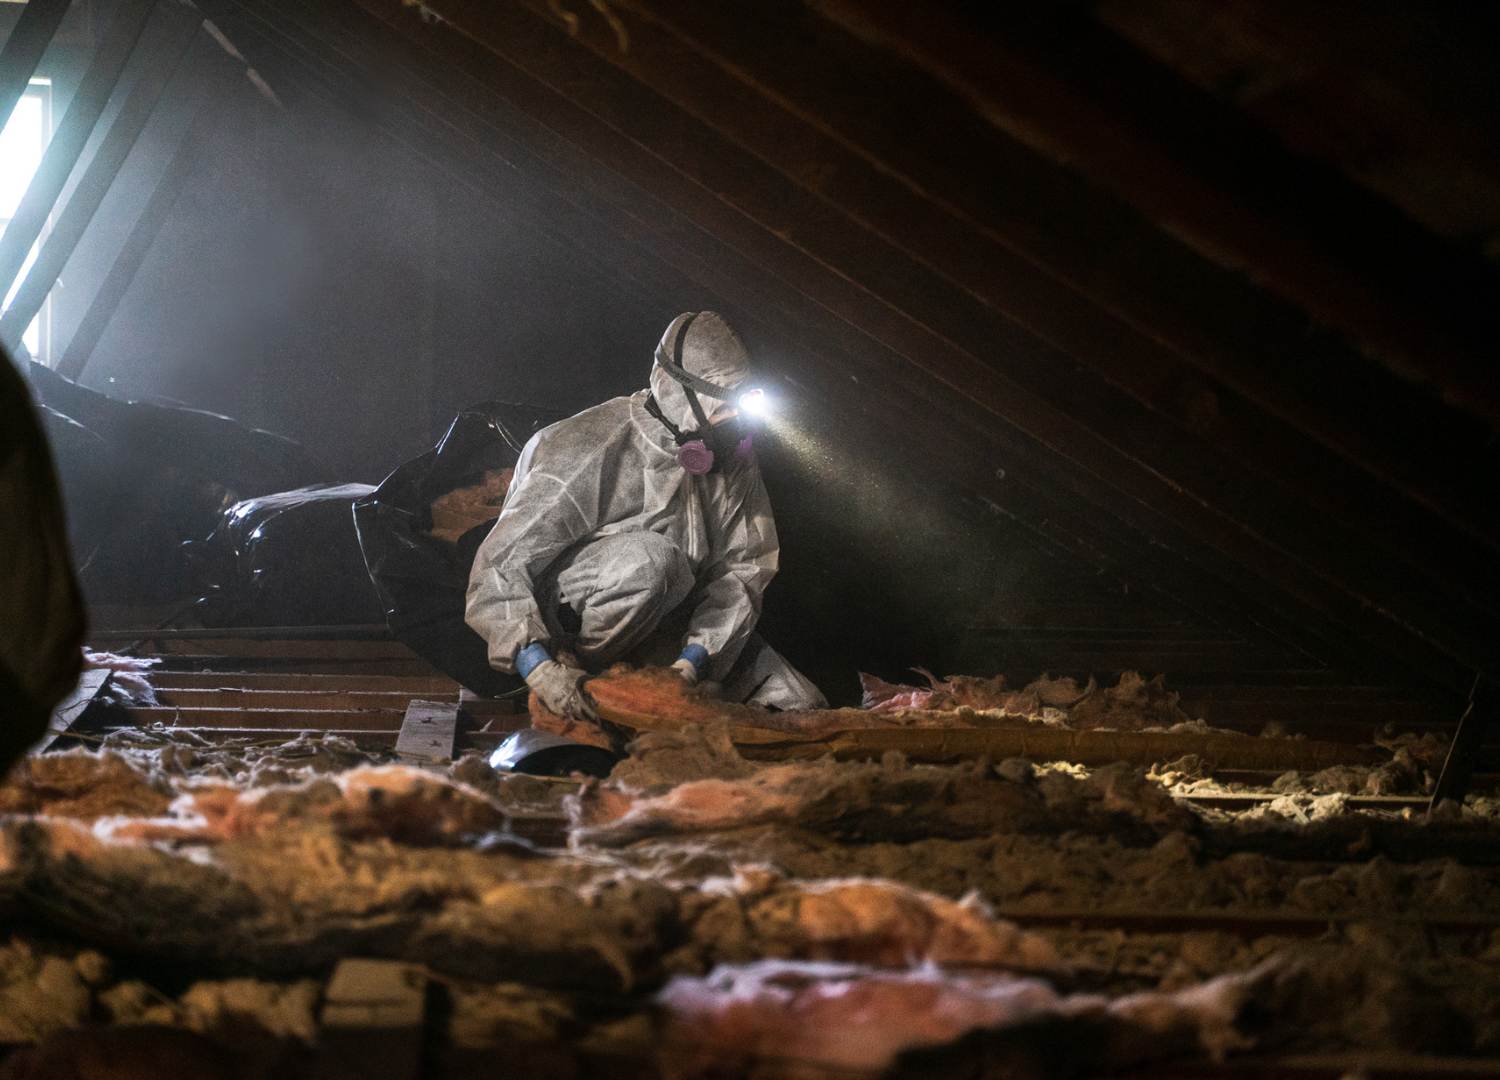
(22, 143)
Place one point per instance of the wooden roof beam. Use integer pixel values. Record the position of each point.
(24, 45)
(1056, 80)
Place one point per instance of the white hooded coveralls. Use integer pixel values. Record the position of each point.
(601, 517)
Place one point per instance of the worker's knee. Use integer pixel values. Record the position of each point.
(649, 563)
(622, 586)
(627, 571)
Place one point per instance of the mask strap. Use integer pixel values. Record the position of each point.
(672, 365)
(693, 402)
(655, 410)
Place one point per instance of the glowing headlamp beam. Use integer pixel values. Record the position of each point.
(755, 403)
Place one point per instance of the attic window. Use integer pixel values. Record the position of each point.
(22, 144)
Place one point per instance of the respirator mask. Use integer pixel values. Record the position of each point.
(708, 447)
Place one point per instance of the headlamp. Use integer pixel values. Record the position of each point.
(755, 403)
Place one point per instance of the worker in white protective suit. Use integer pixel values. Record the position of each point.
(640, 529)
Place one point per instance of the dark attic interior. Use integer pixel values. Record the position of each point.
(408, 404)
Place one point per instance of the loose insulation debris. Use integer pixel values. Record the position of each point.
(702, 913)
(862, 1019)
(1132, 704)
(129, 681)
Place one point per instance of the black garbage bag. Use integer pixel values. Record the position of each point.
(420, 528)
(288, 559)
(140, 478)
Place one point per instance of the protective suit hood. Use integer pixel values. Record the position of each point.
(712, 351)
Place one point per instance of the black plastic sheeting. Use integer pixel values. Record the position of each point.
(288, 559)
(139, 478)
(421, 578)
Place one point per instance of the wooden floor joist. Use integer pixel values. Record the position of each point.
(411, 685)
(236, 699)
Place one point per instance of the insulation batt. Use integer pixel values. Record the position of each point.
(890, 800)
(884, 923)
(655, 699)
(296, 899)
(82, 784)
(967, 691)
(1132, 704)
(398, 802)
(856, 1018)
(41, 993)
(866, 864)
(299, 898)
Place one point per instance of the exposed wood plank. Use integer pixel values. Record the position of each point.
(408, 685)
(366, 739)
(28, 40)
(1474, 725)
(67, 142)
(1327, 78)
(282, 719)
(216, 13)
(72, 707)
(333, 700)
(428, 731)
(241, 647)
(98, 176)
(294, 665)
(503, 186)
(339, 632)
(373, 1020)
(1234, 800)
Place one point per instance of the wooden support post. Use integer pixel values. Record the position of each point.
(374, 1014)
(1458, 767)
(428, 732)
(95, 183)
(73, 707)
(68, 140)
(23, 50)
